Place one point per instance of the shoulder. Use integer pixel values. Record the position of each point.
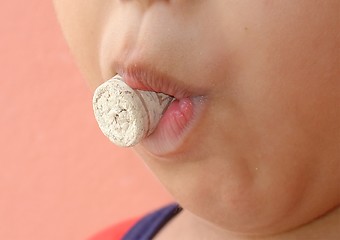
(148, 226)
(115, 232)
(140, 228)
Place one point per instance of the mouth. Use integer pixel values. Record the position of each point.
(179, 119)
(146, 78)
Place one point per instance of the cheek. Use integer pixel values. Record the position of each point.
(280, 73)
(287, 83)
(266, 151)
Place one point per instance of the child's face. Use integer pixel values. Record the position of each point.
(263, 153)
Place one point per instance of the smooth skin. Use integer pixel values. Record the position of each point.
(263, 160)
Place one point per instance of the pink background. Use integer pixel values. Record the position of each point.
(60, 178)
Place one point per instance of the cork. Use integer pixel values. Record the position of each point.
(126, 115)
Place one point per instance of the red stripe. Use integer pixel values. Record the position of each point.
(115, 232)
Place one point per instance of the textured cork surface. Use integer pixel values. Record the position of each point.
(126, 115)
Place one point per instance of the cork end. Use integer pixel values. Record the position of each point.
(126, 115)
(119, 113)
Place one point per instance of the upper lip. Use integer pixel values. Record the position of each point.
(143, 77)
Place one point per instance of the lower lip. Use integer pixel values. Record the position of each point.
(174, 126)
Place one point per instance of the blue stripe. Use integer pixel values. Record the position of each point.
(151, 224)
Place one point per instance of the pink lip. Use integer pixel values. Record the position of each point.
(181, 115)
(175, 126)
(143, 77)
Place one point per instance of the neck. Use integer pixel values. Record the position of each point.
(188, 226)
